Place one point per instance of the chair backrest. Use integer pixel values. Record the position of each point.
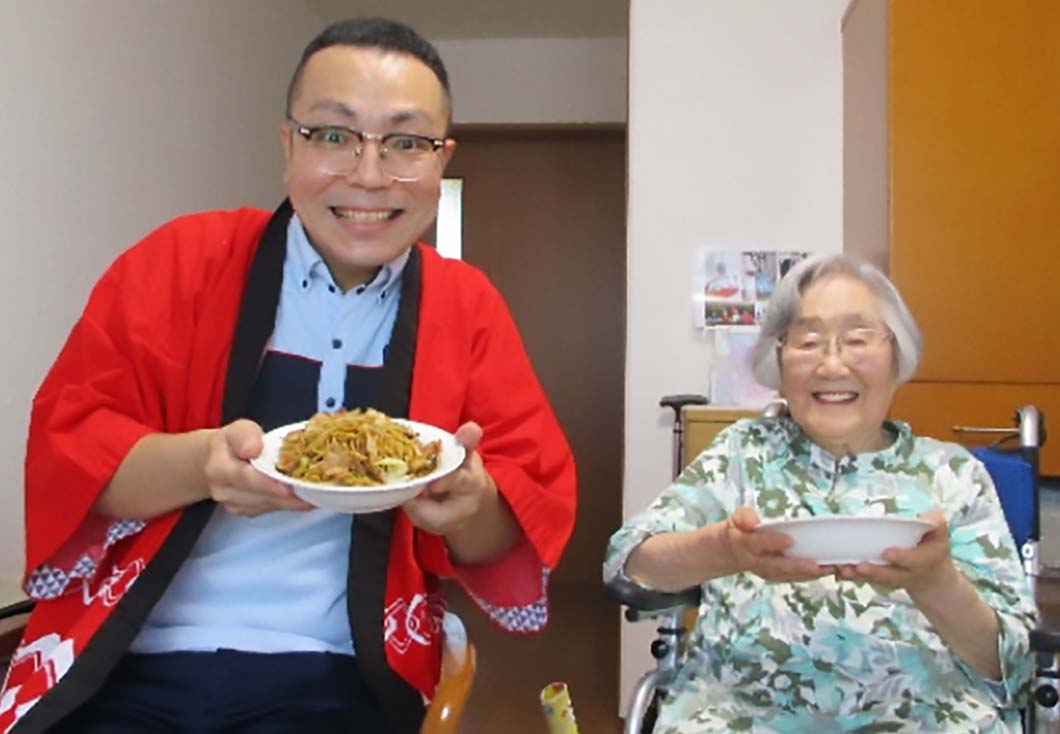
(13, 620)
(1012, 462)
(458, 672)
(1015, 480)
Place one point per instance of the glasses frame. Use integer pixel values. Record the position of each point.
(834, 344)
(307, 131)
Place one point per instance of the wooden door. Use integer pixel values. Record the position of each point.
(544, 216)
(952, 182)
(975, 185)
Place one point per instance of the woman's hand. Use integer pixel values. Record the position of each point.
(925, 569)
(761, 553)
(942, 593)
(237, 486)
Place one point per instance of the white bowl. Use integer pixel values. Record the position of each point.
(357, 500)
(851, 539)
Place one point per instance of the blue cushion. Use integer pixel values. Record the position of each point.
(1014, 478)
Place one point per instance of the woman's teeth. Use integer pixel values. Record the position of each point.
(358, 215)
(835, 397)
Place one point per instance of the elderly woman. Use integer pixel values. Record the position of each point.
(935, 640)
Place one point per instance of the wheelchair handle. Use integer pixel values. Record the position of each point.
(1032, 426)
(1029, 428)
(678, 403)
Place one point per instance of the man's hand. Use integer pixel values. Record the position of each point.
(448, 505)
(237, 486)
(927, 568)
(760, 553)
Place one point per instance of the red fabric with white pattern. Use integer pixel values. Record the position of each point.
(149, 355)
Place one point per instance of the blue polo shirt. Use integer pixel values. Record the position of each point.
(277, 582)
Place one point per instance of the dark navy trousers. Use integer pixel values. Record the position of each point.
(231, 692)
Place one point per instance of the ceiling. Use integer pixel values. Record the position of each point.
(438, 19)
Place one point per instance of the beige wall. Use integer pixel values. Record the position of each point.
(537, 80)
(735, 137)
(118, 115)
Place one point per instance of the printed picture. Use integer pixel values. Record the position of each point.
(723, 313)
(721, 276)
(759, 275)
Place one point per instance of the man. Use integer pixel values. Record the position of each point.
(181, 590)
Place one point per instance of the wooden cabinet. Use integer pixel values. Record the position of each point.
(952, 186)
(703, 423)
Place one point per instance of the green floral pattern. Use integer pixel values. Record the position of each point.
(837, 656)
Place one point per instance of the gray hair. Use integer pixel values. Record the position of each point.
(786, 302)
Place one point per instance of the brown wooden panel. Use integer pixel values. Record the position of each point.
(975, 184)
(933, 409)
(703, 424)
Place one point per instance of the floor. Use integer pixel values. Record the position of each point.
(579, 647)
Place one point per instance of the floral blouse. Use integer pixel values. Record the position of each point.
(838, 656)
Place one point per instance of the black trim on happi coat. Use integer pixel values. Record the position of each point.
(370, 546)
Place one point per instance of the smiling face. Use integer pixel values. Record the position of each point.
(841, 405)
(362, 220)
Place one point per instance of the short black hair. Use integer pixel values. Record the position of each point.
(380, 33)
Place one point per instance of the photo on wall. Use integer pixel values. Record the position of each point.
(731, 290)
(732, 286)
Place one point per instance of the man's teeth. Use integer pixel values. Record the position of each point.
(357, 215)
(835, 397)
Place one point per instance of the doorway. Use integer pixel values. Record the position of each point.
(544, 216)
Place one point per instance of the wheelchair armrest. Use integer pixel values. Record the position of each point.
(1045, 640)
(642, 603)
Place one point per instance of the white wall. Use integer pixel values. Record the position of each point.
(735, 136)
(118, 115)
(537, 80)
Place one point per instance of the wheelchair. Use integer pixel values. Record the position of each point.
(1012, 462)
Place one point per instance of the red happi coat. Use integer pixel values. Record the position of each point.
(169, 342)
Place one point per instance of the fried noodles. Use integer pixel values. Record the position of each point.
(356, 449)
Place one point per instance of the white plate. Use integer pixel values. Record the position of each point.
(836, 540)
(358, 500)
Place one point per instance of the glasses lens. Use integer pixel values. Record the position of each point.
(335, 149)
(856, 343)
(806, 341)
(406, 157)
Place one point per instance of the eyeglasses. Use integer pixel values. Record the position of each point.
(806, 346)
(403, 157)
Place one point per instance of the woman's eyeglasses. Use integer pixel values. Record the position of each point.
(806, 346)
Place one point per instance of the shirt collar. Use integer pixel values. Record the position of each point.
(310, 268)
(890, 456)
